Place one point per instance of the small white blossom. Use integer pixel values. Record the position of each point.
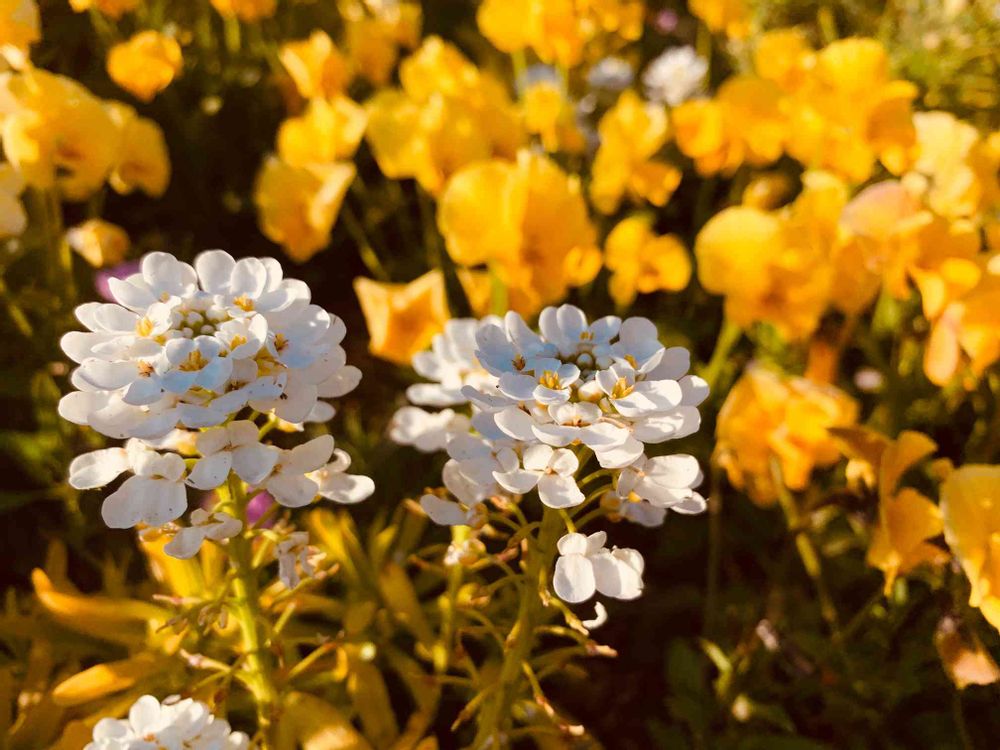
(550, 470)
(295, 558)
(586, 567)
(610, 73)
(675, 76)
(335, 484)
(233, 447)
(187, 724)
(665, 482)
(288, 482)
(216, 526)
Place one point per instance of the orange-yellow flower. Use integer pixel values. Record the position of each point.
(298, 205)
(527, 220)
(113, 9)
(403, 318)
(20, 27)
(642, 262)
(550, 116)
(632, 132)
(731, 17)
(99, 242)
(770, 418)
(970, 506)
(145, 64)
(316, 66)
(142, 161)
(245, 10)
(327, 131)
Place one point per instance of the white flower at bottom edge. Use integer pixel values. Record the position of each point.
(334, 484)
(187, 724)
(217, 526)
(664, 481)
(551, 470)
(288, 481)
(585, 567)
(294, 554)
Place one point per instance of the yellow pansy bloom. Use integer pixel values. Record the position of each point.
(731, 17)
(56, 133)
(906, 518)
(327, 131)
(527, 220)
(447, 114)
(298, 205)
(142, 161)
(145, 64)
(114, 9)
(766, 272)
(970, 506)
(768, 417)
(245, 10)
(403, 318)
(20, 27)
(99, 242)
(316, 66)
(631, 133)
(642, 262)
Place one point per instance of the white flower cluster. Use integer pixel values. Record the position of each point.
(172, 366)
(175, 723)
(675, 76)
(533, 400)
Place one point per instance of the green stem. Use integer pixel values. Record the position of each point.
(245, 608)
(728, 338)
(495, 715)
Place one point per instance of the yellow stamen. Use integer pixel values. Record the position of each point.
(244, 303)
(622, 388)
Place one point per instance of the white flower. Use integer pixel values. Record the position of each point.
(632, 397)
(235, 447)
(174, 724)
(551, 470)
(450, 363)
(567, 328)
(216, 526)
(664, 481)
(446, 512)
(295, 554)
(335, 484)
(585, 567)
(288, 481)
(675, 76)
(426, 431)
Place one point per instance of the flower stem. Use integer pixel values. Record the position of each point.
(728, 337)
(495, 715)
(245, 608)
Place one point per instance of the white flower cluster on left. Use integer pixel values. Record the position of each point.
(187, 724)
(172, 366)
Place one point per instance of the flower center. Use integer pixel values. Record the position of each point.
(622, 388)
(244, 303)
(195, 361)
(550, 379)
(144, 327)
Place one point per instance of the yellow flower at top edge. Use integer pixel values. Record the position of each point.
(99, 242)
(447, 114)
(374, 34)
(631, 133)
(20, 27)
(113, 9)
(403, 318)
(142, 161)
(145, 64)
(298, 205)
(527, 221)
(317, 67)
(906, 518)
(245, 10)
(970, 505)
(774, 418)
(731, 17)
(642, 262)
(554, 29)
(327, 131)
(55, 132)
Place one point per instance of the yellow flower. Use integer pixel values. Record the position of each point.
(552, 118)
(114, 9)
(447, 115)
(19, 29)
(316, 66)
(643, 262)
(784, 57)
(527, 220)
(906, 518)
(765, 271)
(298, 205)
(631, 133)
(327, 131)
(56, 133)
(245, 10)
(145, 64)
(970, 505)
(142, 160)
(731, 17)
(99, 242)
(374, 33)
(13, 219)
(554, 29)
(403, 318)
(767, 417)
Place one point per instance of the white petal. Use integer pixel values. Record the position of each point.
(97, 468)
(615, 575)
(347, 488)
(292, 491)
(537, 457)
(162, 501)
(623, 455)
(252, 463)
(214, 267)
(564, 462)
(516, 423)
(574, 580)
(121, 509)
(600, 617)
(572, 544)
(185, 543)
(211, 472)
(677, 471)
(559, 492)
(443, 512)
(518, 481)
(309, 456)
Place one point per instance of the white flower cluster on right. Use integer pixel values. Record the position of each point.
(519, 411)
